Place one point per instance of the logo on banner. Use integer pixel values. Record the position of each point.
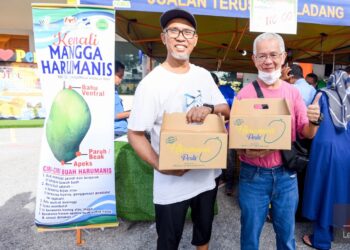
(45, 21)
(122, 4)
(70, 20)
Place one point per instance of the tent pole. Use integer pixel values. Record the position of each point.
(229, 46)
(219, 65)
(240, 38)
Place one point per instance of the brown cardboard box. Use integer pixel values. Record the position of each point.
(257, 128)
(192, 146)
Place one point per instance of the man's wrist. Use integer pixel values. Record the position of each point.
(209, 106)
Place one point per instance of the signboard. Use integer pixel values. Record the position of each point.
(325, 12)
(17, 55)
(278, 16)
(75, 56)
(20, 92)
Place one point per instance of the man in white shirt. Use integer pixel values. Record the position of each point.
(177, 86)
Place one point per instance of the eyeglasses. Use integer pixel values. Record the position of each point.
(175, 33)
(263, 57)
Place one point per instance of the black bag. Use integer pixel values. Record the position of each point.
(297, 158)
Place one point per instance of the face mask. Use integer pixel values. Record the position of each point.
(270, 78)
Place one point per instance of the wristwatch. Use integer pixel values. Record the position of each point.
(318, 122)
(209, 106)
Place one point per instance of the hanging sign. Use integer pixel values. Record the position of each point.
(278, 16)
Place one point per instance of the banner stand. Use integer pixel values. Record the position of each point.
(79, 230)
(75, 45)
(79, 239)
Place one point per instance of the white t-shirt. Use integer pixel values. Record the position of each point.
(164, 91)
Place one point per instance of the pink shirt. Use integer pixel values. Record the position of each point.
(298, 113)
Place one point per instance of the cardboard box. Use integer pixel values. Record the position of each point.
(252, 127)
(192, 146)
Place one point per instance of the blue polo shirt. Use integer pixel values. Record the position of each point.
(306, 90)
(120, 125)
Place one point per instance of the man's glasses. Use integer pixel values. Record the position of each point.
(175, 33)
(263, 57)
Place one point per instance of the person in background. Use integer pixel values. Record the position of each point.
(312, 79)
(263, 177)
(120, 116)
(216, 79)
(347, 70)
(227, 175)
(177, 86)
(327, 182)
(294, 75)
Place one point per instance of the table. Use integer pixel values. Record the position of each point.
(134, 184)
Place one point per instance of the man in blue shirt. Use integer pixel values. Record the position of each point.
(294, 75)
(228, 173)
(120, 122)
(297, 79)
(312, 79)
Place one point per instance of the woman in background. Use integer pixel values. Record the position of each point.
(327, 181)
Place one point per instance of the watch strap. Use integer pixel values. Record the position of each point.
(211, 106)
(318, 122)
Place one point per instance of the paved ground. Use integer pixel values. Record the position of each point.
(19, 156)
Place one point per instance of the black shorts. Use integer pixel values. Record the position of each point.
(170, 220)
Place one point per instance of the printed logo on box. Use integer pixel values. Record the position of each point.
(274, 131)
(206, 153)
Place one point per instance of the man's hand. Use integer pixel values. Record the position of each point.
(179, 172)
(197, 114)
(284, 73)
(313, 110)
(255, 153)
(174, 172)
(122, 115)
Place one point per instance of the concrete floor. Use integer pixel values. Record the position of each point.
(19, 157)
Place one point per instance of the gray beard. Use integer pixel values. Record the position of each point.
(181, 57)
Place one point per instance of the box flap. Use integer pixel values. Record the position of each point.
(276, 106)
(178, 122)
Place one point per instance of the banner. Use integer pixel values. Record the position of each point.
(75, 56)
(325, 12)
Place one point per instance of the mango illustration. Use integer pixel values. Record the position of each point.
(69, 121)
(216, 143)
(277, 125)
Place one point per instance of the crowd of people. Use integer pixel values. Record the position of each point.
(264, 181)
